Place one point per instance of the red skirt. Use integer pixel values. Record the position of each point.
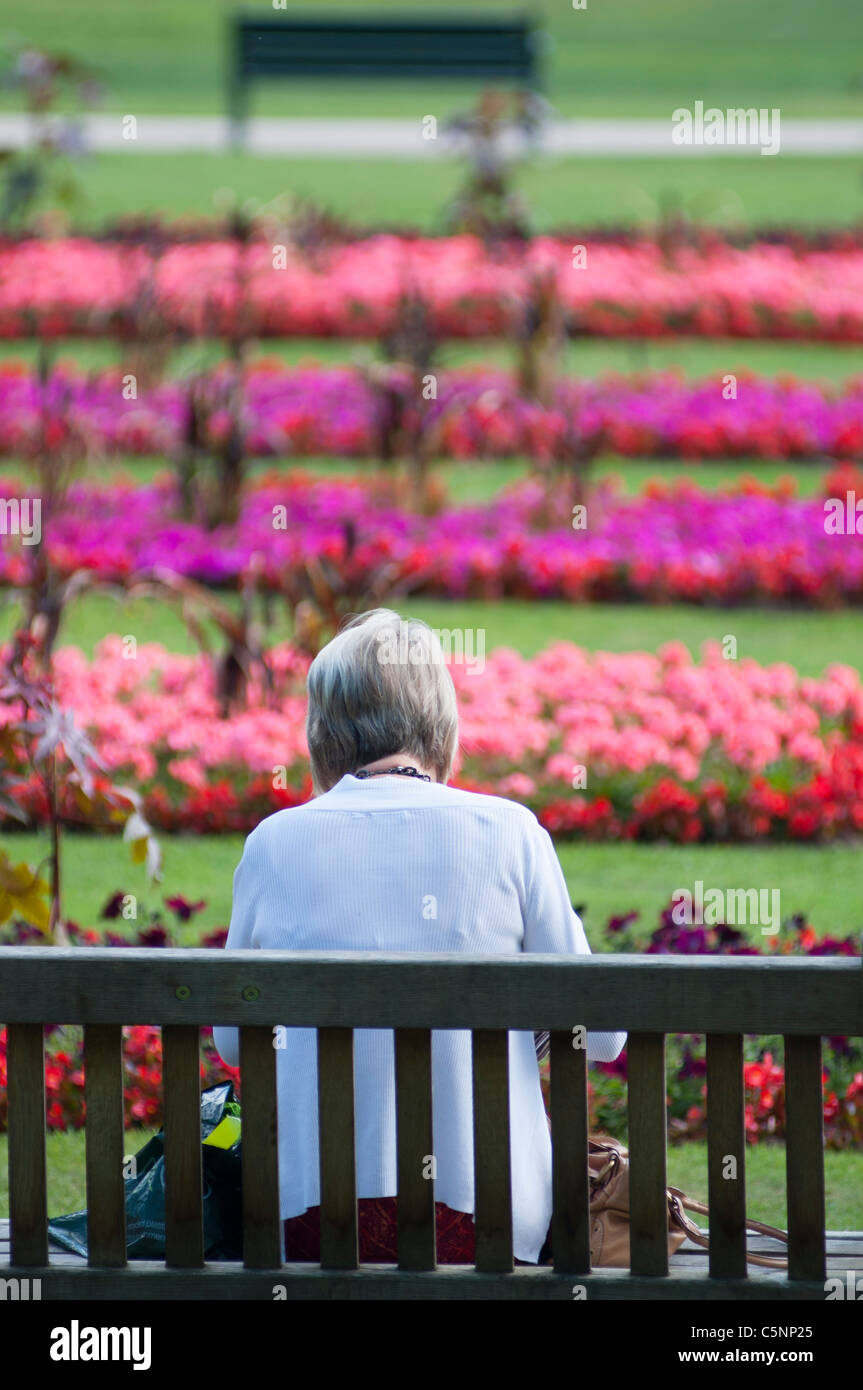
(377, 1226)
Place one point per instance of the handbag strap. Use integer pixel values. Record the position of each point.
(679, 1200)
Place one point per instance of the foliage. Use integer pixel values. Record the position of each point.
(35, 179)
(486, 205)
(47, 752)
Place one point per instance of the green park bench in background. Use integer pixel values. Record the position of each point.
(462, 46)
(724, 998)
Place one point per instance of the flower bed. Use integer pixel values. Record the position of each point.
(764, 1079)
(675, 543)
(478, 413)
(78, 286)
(670, 748)
(763, 1076)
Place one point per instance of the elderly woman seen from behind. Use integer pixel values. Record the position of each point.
(387, 857)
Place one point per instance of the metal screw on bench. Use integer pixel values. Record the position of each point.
(251, 992)
(183, 992)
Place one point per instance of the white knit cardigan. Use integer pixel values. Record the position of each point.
(397, 864)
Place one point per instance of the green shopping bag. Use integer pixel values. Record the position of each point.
(145, 1192)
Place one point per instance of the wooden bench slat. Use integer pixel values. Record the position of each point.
(262, 1235)
(492, 1159)
(104, 1134)
(570, 1232)
(844, 1252)
(647, 994)
(28, 1194)
(416, 1202)
(648, 1204)
(184, 1236)
(726, 1140)
(338, 1157)
(804, 1157)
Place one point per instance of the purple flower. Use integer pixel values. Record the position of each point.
(729, 936)
(618, 924)
(153, 936)
(183, 909)
(692, 941)
(692, 1066)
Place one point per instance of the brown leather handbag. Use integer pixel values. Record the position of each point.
(608, 1163)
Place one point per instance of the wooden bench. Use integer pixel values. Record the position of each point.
(474, 47)
(722, 997)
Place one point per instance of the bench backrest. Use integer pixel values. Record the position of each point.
(478, 48)
(649, 996)
(340, 45)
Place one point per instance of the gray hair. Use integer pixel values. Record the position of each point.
(380, 687)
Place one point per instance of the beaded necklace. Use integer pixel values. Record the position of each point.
(398, 771)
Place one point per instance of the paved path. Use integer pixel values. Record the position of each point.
(400, 139)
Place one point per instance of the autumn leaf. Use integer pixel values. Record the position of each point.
(24, 894)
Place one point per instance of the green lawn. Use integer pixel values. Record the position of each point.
(619, 59)
(695, 358)
(67, 1189)
(687, 1169)
(604, 880)
(481, 481)
(810, 640)
(570, 192)
(821, 882)
(765, 1183)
